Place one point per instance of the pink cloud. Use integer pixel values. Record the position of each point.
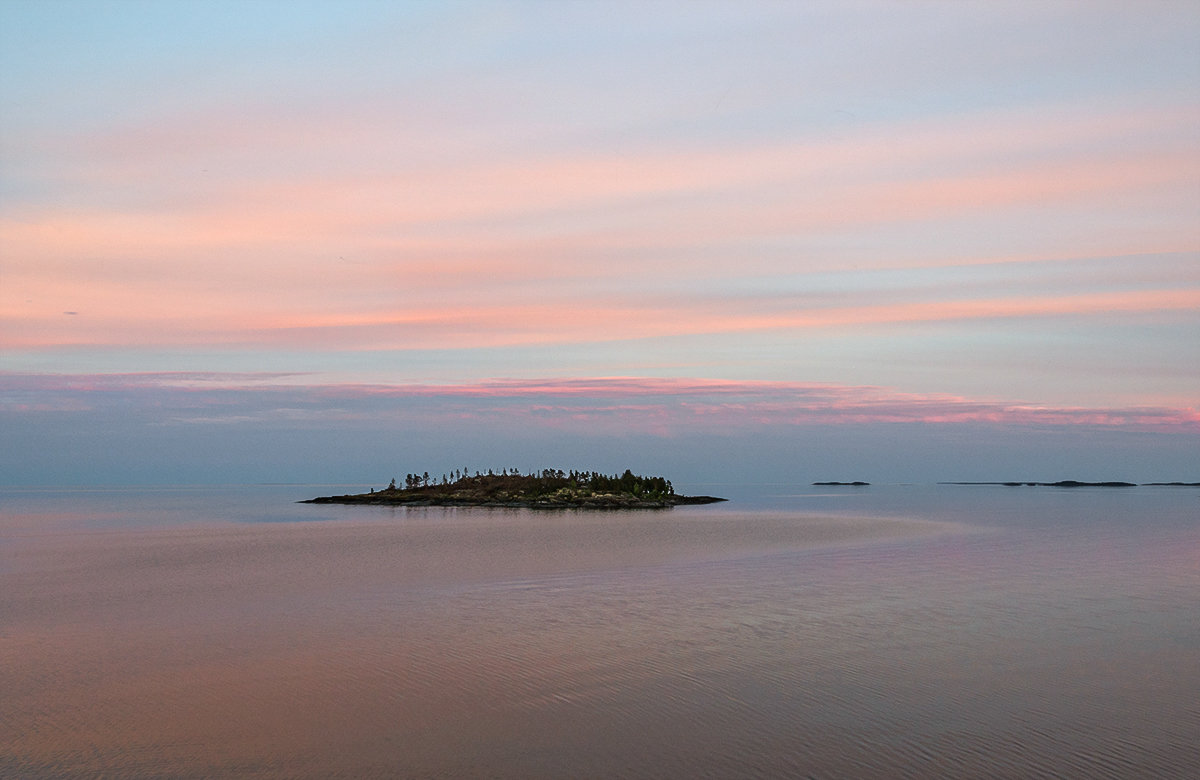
(483, 188)
(531, 247)
(132, 319)
(645, 404)
(914, 168)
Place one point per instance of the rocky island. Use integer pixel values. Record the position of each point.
(548, 489)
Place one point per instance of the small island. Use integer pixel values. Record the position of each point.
(548, 489)
(842, 484)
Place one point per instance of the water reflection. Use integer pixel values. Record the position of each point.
(683, 644)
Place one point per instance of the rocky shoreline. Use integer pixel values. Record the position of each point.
(388, 498)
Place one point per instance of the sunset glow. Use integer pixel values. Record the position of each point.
(599, 220)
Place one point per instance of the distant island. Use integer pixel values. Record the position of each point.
(842, 484)
(547, 489)
(1065, 483)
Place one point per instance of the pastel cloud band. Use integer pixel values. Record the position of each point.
(663, 406)
(503, 323)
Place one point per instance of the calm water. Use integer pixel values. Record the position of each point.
(894, 631)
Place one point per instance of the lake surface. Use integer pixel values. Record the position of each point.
(881, 632)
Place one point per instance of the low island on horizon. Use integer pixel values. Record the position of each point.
(547, 489)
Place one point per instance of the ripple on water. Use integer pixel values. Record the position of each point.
(609, 648)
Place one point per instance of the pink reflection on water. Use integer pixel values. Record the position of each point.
(513, 644)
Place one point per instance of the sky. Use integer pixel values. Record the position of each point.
(754, 242)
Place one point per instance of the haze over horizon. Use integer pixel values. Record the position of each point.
(313, 241)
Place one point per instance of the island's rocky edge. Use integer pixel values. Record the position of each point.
(386, 498)
(548, 489)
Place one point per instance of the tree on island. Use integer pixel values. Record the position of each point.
(544, 482)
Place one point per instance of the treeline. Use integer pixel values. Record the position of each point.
(541, 482)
